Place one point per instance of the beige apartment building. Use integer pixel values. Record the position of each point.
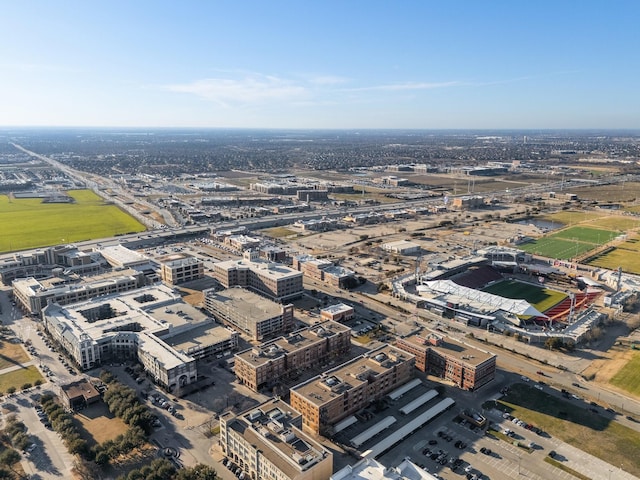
(180, 268)
(267, 443)
(272, 280)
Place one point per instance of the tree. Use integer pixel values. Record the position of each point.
(9, 456)
(11, 390)
(197, 472)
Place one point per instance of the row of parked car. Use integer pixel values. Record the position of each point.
(235, 469)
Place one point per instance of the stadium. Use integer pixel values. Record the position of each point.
(501, 289)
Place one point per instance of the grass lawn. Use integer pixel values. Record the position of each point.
(596, 236)
(279, 232)
(29, 223)
(572, 423)
(97, 424)
(603, 219)
(628, 259)
(17, 378)
(628, 377)
(12, 354)
(556, 248)
(540, 298)
(570, 217)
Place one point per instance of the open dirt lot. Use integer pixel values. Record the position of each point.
(99, 424)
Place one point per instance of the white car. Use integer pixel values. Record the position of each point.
(539, 387)
(524, 379)
(468, 469)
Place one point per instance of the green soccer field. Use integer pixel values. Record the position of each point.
(569, 243)
(541, 299)
(29, 223)
(556, 248)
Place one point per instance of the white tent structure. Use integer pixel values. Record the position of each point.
(514, 306)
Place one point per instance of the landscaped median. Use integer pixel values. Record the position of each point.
(572, 422)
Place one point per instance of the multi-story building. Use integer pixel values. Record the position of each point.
(337, 313)
(249, 313)
(272, 280)
(342, 391)
(139, 324)
(323, 270)
(242, 242)
(41, 263)
(33, 295)
(468, 367)
(267, 443)
(180, 268)
(264, 366)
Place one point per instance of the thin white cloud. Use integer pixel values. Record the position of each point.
(326, 80)
(407, 86)
(248, 90)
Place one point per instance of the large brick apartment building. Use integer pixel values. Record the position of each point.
(264, 366)
(469, 368)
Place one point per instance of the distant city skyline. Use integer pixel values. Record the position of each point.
(321, 65)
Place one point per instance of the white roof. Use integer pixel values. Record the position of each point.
(515, 306)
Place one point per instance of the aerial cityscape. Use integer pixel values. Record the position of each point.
(319, 241)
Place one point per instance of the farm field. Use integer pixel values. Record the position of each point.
(540, 298)
(574, 424)
(628, 377)
(29, 223)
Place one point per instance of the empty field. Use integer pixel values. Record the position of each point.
(12, 354)
(628, 377)
(99, 424)
(540, 298)
(571, 422)
(31, 223)
(17, 378)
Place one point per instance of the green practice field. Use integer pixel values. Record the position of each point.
(29, 223)
(624, 255)
(628, 377)
(540, 298)
(570, 242)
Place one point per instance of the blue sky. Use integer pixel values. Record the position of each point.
(321, 64)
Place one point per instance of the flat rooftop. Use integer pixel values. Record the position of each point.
(323, 388)
(200, 336)
(120, 256)
(247, 303)
(295, 341)
(449, 347)
(275, 271)
(272, 428)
